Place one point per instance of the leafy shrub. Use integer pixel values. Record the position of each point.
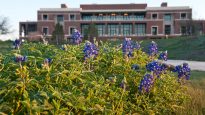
(69, 83)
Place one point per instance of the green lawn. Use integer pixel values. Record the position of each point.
(5, 46)
(180, 48)
(198, 79)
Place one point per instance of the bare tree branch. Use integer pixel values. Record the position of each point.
(4, 25)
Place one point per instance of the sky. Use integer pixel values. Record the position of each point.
(26, 10)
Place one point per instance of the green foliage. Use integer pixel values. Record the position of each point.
(71, 85)
(91, 32)
(58, 34)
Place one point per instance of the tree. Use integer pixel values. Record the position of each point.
(58, 34)
(191, 27)
(92, 32)
(4, 27)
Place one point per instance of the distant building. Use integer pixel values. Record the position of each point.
(114, 20)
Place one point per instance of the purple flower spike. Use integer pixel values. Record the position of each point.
(146, 83)
(76, 36)
(156, 68)
(183, 71)
(20, 58)
(163, 56)
(127, 47)
(153, 49)
(17, 43)
(90, 50)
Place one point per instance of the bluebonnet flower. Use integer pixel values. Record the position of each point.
(163, 56)
(153, 49)
(17, 43)
(20, 58)
(76, 36)
(127, 47)
(146, 83)
(156, 67)
(90, 50)
(183, 71)
(135, 67)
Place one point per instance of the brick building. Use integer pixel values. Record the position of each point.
(113, 20)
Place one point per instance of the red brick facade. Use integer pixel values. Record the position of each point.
(115, 20)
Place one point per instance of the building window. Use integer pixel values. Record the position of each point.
(140, 29)
(84, 29)
(45, 17)
(60, 18)
(45, 30)
(101, 29)
(113, 29)
(126, 29)
(167, 17)
(154, 30)
(71, 30)
(72, 17)
(183, 15)
(167, 29)
(86, 17)
(184, 30)
(154, 16)
(113, 16)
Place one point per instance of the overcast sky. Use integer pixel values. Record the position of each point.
(26, 10)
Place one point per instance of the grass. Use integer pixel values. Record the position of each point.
(180, 48)
(5, 46)
(196, 89)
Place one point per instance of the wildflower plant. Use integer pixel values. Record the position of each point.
(17, 43)
(76, 36)
(163, 56)
(90, 50)
(20, 58)
(106, 85)
(153, 49)
(183, 71)
(129, 46)
(146, 83)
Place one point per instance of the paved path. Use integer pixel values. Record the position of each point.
(194, 65)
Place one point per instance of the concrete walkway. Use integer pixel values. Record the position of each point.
(194, 65)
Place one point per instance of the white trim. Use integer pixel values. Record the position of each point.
(155, 13)
(117, 10)
(60, 9)
(157, 30)
(75, 14)
(44, 14)
(168, 8)
(69, 30)
(46, 20)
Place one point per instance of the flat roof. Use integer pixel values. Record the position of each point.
(60, 9)
(169, 8)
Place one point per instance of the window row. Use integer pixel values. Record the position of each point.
(168, 16)
(116, 29)
(59, 17)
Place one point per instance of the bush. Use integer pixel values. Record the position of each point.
(69, 84)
